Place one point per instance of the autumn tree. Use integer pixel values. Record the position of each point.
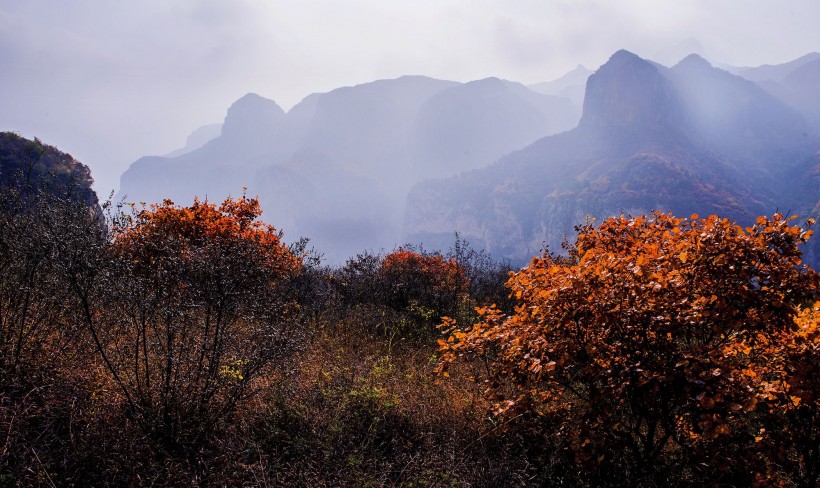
(657, 345)
(46, 220)
(49, 220)
(485, 277)
(429, 285)
(405, 292)
(191, 309)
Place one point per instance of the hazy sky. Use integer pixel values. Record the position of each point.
(109, 81)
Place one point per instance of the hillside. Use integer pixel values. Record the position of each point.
(31, 166)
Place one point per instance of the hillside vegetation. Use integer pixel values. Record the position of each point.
(188, 344)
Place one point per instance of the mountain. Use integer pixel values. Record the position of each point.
(219, 168)
(355, 168)
(672, 54)
(571, 85)
(198, 138)
(30, 166)
(801, 90)
(471, 125)
(741, 121)
(796, 82)
(774, 72)
(649, 138)
(337, 167)
(368, 128)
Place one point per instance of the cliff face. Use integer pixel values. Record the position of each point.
(630, 92)
(644, 142)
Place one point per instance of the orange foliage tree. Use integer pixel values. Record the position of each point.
(193, 307)
(426, 285)
(660, 340)
(424, 277)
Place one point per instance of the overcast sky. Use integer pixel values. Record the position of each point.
(109, 81)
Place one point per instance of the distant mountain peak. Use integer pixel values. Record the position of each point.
(776, 72)
(252, 114)
(624, 56)
(253, 102)
(693, 61)
(491, 80)
(628, 91)
(250, 96)
(674, 53)
(571, 85)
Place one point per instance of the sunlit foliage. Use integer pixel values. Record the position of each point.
(431, 282)
(658, 340)
(193, 306)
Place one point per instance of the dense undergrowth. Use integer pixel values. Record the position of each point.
(188, 346)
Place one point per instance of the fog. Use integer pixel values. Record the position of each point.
(112, 81)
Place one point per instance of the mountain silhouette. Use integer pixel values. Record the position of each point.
(801, 90)
(198, 138)
(416, 158)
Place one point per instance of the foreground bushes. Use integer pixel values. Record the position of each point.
(158, 346)
(190, 307)
(664, 350)
(167, 316)
(189, 346)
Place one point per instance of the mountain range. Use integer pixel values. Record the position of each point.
(687, 139)
(337, 167)
(512, 168)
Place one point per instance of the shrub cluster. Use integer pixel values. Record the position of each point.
(664, 350)
(407, 292)
(188, 345)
